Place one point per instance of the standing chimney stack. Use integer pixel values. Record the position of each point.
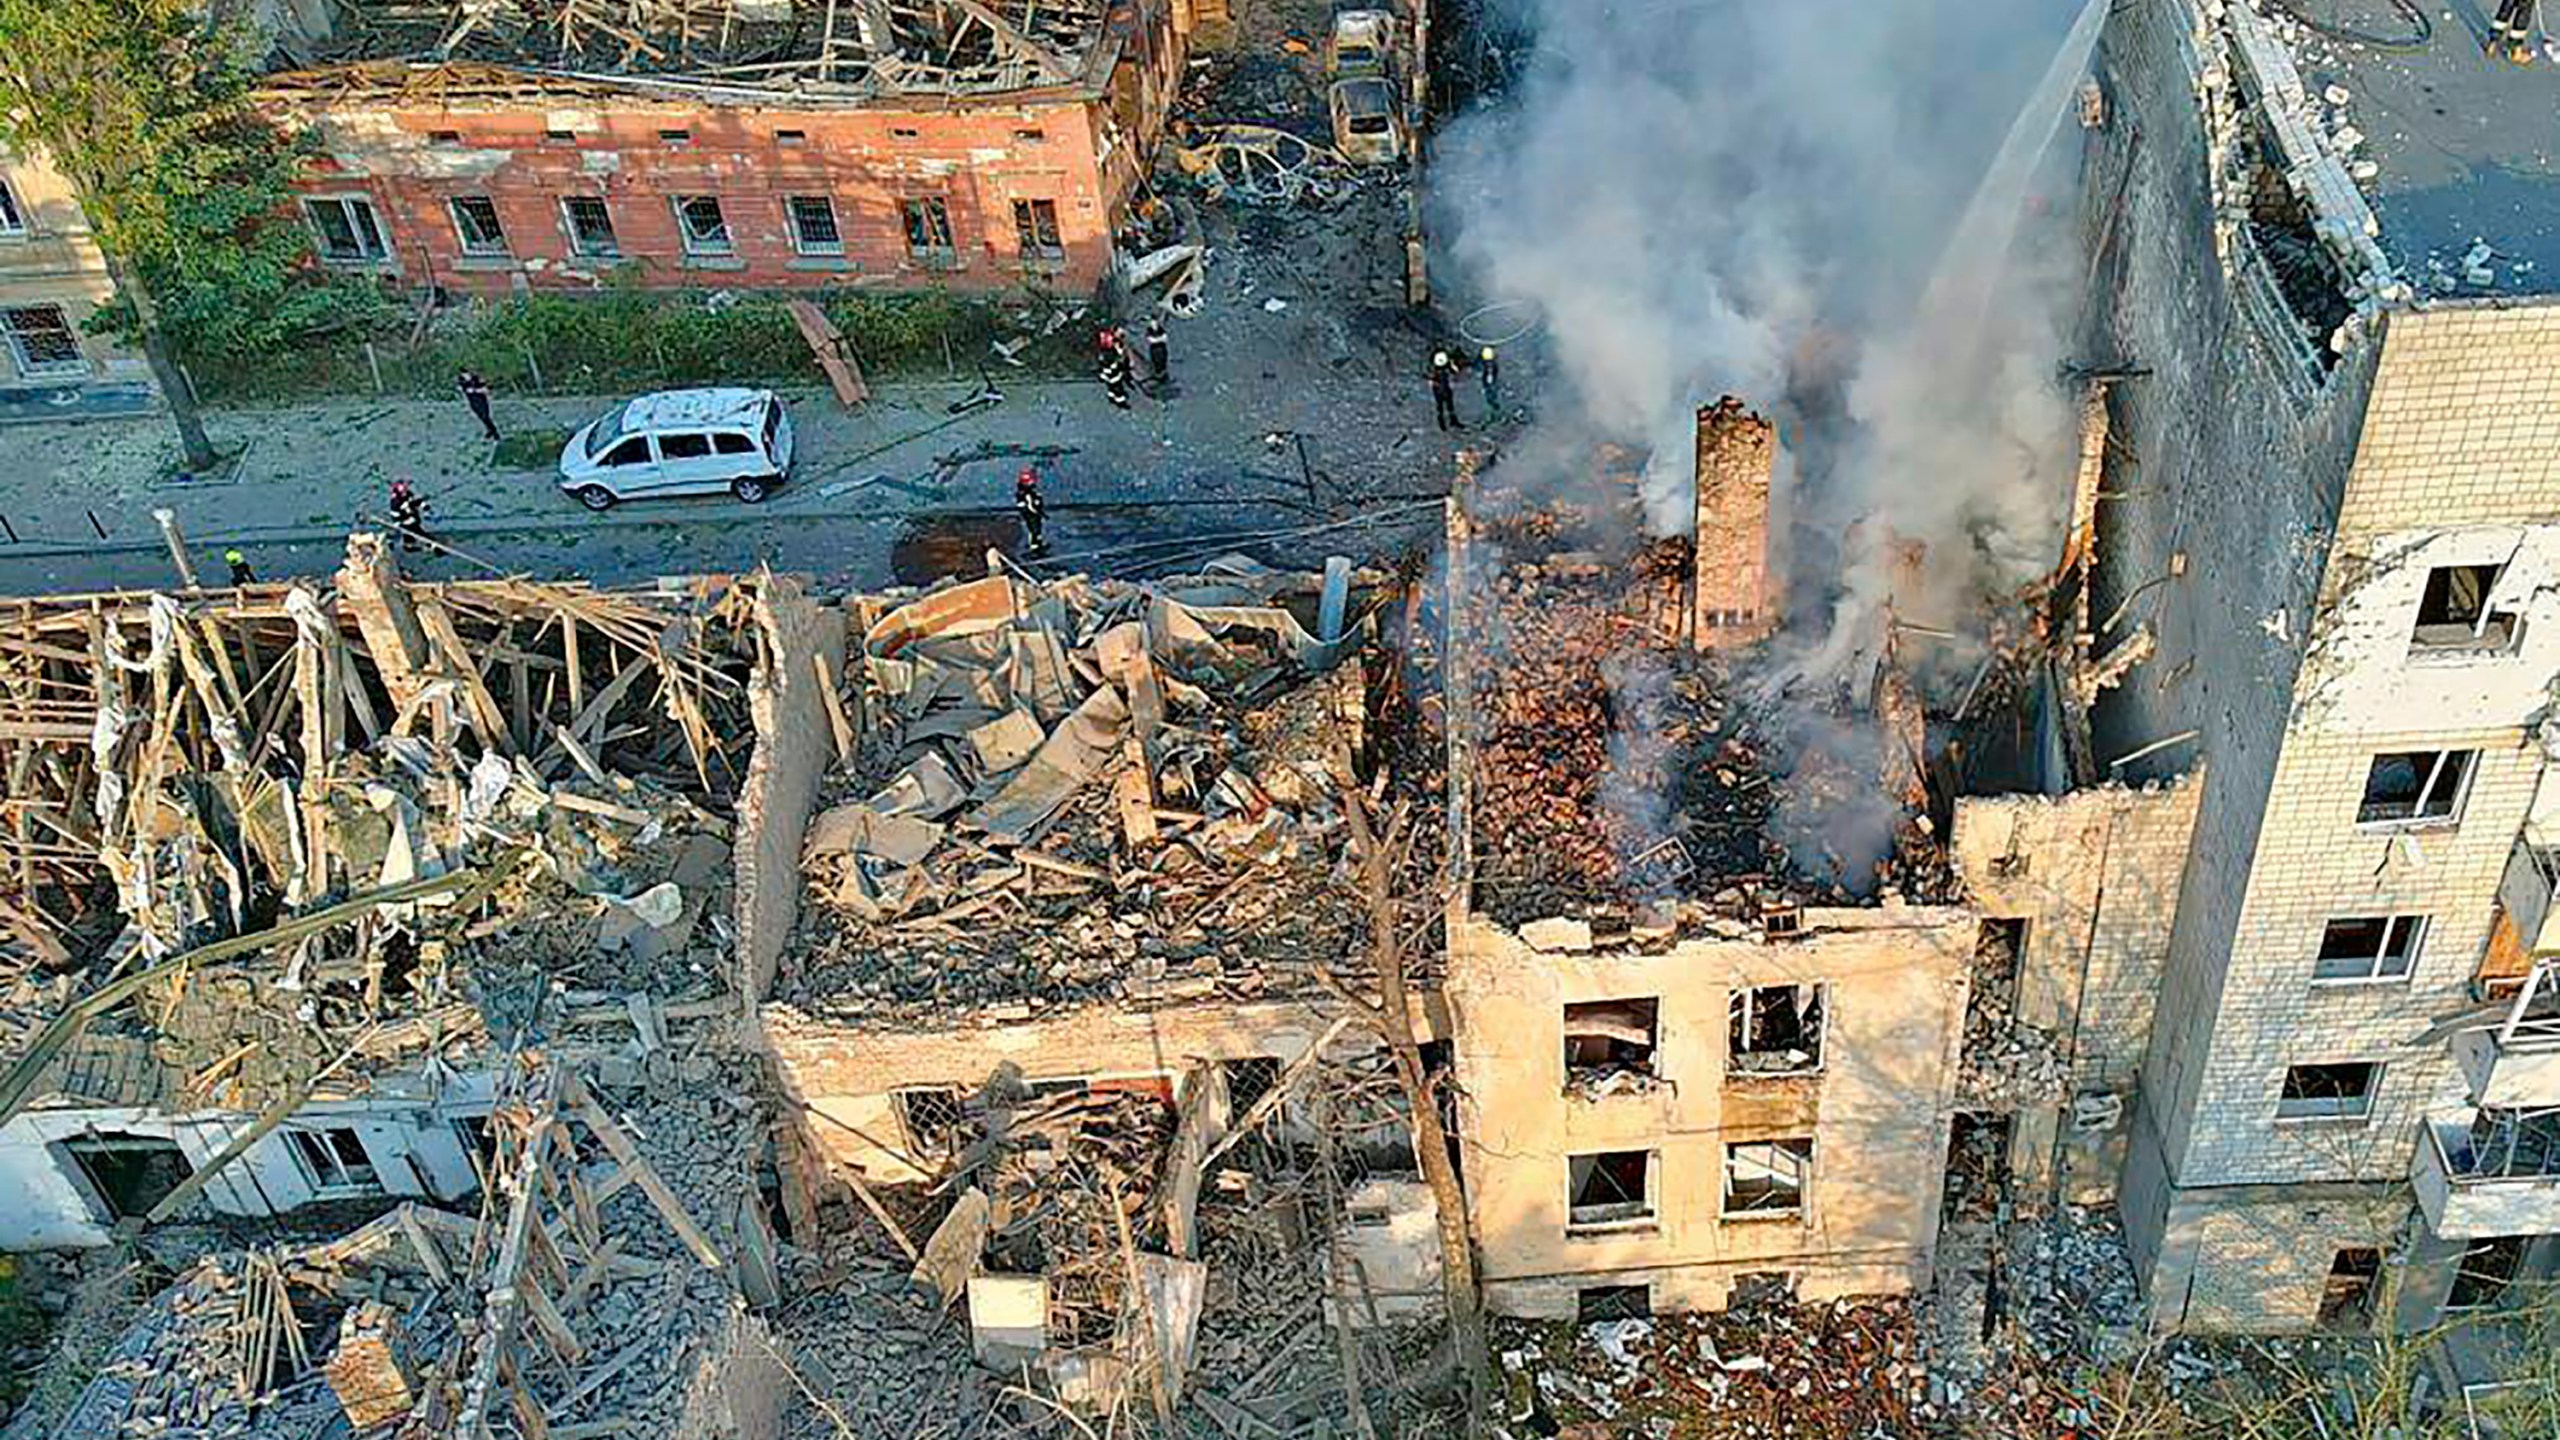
(1737, 601)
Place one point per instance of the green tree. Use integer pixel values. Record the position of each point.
(126, 98)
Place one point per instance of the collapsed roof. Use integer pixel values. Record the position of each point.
(838, 50)
(1079, 790)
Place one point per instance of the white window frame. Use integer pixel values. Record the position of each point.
(328, 1171)
(2452, 815)
(577, 244)
(2307, 1115)
(462, 233)
(1742, 998)
(311, 205)
(1740, 1158)
(77, 364)
(723, 245)
(13, 213)
(2413, 927)
(800, 240)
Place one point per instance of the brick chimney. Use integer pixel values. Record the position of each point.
(1736, 597)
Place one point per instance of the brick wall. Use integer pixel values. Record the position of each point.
(1737, 450)
(413, 159)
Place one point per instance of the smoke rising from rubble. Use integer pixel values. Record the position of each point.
(1858, 221)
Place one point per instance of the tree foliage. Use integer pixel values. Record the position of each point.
(145, 108)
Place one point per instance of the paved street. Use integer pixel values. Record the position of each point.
(897, 491)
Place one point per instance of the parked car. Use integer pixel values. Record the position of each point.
(1365, 127)
(1361, 42)
(680, 442)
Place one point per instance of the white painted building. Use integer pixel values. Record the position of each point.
(2333, 493)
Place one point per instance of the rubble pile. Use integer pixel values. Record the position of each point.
(1054, 1171)
(2007, 1065)
(1083, 790)
(882, 1352)
(1588, 706)
(1766, 1369)
(2072, 1279)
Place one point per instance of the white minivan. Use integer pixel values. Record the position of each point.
(680, 442)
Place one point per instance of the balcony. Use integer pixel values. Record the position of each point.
(2515, 1064)
(2525, 894)
(2487, 1173)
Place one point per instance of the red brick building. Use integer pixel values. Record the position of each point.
(979, 144)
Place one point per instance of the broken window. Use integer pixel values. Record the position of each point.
(42, 341)
(2369, 947)
(705, 229)
(447, 138)
(348, 232)
(813, 225)
(1602, 1304)
(2454, 611)
(1249, 1078)
(2328, 1092)
(2346, 1301)
(1774, 1030)
(1766, 1177)
(676, 137)
(1609, 1038)
(790, 137)
(590, 227)
(928, 222)
(335, 1159)
(131, 1173)
(1611, 1188)
(13, 221)
(2414, 786)
(1035, 229)
(475, 220)
(935, 1120)
(1758, 1289)
(2486, 1270)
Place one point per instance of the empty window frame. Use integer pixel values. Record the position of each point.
(1249, 1078)
(42, 341)
(1774, 1030)
(475, 222)
(2454, 611)
(2486, 1270)
(790, 137)
(590, 227)
(676, 137)
(2414, 787)
(2328, 1092)
(1614, 1187)
(1601, 1304)
(446, 138)
(13, 221)
(336, 1160)
(813, 225)
(935, 1120)
(131, 1173)
(2346, 1298)
(346, 228)
(1035, 230)
(1603, 1037)
(1767, 1177)
(2368, 947)
(704, 228)
(928, 222)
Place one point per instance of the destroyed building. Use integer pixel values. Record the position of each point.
(497, 147)
(2324, 519)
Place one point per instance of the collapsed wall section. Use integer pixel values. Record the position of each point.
(799, 650)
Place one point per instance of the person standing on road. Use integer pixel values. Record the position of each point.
(1115, 377)
(241, 574)
(1489, 375)
(475, 393)
(1033, 510)
(408, 514)
(1159, 354)
(1444, 390)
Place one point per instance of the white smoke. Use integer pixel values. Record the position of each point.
(1703, 197)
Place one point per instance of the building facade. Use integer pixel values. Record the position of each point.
(489, 178)
(2334, 499)
(52, 280)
